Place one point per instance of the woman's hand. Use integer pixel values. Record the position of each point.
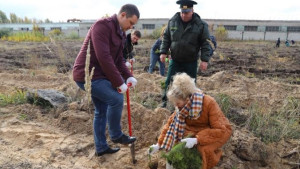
(190, 142)
(153, 149)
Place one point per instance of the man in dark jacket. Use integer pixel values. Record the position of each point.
(185, 36)
(106, 37)
(131, 39)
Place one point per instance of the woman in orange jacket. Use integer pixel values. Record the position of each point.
(197, 115)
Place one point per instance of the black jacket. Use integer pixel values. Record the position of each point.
(185, 44)
(128, 48)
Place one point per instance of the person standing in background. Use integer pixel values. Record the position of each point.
(155, 55)
(278, 43)
(131, 40)
(185, 35)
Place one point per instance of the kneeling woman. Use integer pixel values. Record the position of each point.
(197, 115)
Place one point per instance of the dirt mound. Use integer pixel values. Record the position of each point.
(245, 151)
(146, 123)
(244, 91)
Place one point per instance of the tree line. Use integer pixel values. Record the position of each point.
(13, 18)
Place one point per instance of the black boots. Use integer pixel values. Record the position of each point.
(124, 139)
(108, 151)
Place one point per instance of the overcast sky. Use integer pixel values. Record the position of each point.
(61, 10)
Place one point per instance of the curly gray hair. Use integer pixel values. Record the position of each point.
(183, 86)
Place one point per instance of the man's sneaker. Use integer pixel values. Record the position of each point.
(108, 151)
(124, 139)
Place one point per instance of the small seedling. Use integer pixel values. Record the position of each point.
(152, 164)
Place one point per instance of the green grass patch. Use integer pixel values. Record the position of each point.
(16, 97)
(23, 117)
(162, 85)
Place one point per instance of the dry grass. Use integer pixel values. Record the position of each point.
(268, 126)
(88, 76)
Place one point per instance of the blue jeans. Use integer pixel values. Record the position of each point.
(108, 109)
(154, 57)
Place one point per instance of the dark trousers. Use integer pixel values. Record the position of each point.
(189, 68)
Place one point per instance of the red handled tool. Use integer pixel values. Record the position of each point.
(132, 150)
(128, 109)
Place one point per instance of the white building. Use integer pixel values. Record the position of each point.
(237, 29)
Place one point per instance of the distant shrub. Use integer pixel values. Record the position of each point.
(36, 28)
(73, 35)
(156, 33)
(4, 32)
(55, 32)
(221, 33)
(26, 36)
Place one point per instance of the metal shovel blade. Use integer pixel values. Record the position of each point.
(132, 151)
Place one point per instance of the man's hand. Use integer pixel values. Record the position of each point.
(153, 149)
(131, 80)
(123, 88)
(163, 58)
(128, 65)
(203, 66)
(190, 142)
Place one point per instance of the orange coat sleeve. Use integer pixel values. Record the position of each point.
(165, 129)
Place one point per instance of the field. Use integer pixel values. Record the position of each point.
(256, 85)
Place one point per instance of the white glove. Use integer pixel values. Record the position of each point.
(123, 88)
(131, 80)
(153, 149)
(128, 65)
(190, 142)
(132, 60)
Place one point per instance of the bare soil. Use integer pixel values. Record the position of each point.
(35, 137)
